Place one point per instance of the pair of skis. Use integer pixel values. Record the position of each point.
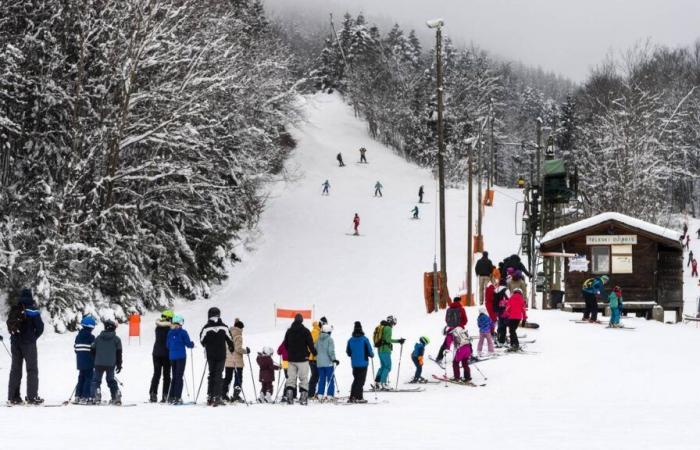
(444, 379)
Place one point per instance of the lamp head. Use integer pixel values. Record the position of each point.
(435, 23)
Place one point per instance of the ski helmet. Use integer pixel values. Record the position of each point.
(88, 322)
(167, 315)
(424, 340)
(110, 325)
(327, 328)
(604, 279)
(213, 312)
(178, 319)
(267, 351)
(391, 320)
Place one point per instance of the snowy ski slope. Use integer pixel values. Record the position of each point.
(587, 387)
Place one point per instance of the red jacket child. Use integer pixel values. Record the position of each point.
(516, 308)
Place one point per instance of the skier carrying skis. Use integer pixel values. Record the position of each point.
(417, 358)
(415, 212)
(107, 352)
(299, 345)
(235, 363)
(363, 157)
(216, 338)
(516, 312)
(459, 338)
(326, 188)
(161, 360)
(592, 288)
(25, 326)
(485, 329)
(356, 224)
(384, 342)
(326, 361)
(340, 160)
(455, 316)
(359, 350)
(178, 342)
(615, 301)
(378, 189)
(267, 374)
(84, 360)
(421, 192)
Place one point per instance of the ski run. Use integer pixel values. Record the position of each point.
(570, 386)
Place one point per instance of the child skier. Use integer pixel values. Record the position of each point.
(463, 352)
(326, 188)
(84, 360)
(267, 374)
(615, 300)
(378, 189)
(356, 224)
(516, 312)
(107, 351)
(178, 343)
(485, 331)
(417, 358)
(500, 301)
(326, 363)
(359, 350)
(415, 212)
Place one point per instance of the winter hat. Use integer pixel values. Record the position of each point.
(510, 270)
(238, 324)
(88, 322)
(109, 325)
(485, 254)
(167, 315)
(482, 310)
(617, 290)
(298, 318)
(357, 328)
(391, 320)
(178, 319)
(424, 340)
(323, 320)
(327, 329)
(518, 275)
(26, 298)
(213, 312)
(457, 300)
(604, 279)
(267, 351)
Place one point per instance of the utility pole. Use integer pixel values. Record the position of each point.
(479, 176)
(470, 252)
(437, 25)
(492, 171)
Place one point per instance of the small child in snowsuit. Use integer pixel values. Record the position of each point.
(107, 351)
(417, 358)
(462, 351)
(615, 301)
(485, 328)
(267, 373)
(84, 360)
(178, 342)
(415, 212)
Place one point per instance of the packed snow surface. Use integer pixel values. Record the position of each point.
(586, 387)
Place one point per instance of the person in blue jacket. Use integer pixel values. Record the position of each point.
(84, 360)
(417, 358)
(592, 288)
(178, 342)
(359, 349)
(25, 326)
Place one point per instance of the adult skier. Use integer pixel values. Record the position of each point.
(415, 212)
(327, 362)
(359, 350)
(215, 337)
(340, 160)
(161, 360)
(515, 263)
(690, 258)
(421, 192)
(107, 351)
(25, 326)
(299, 345)
(326, 188)
(363, 157)
(483, 269)
(378, 189)
(235, 363)
(315, 334)
(356, 224)
(384, 343)
(592, 288)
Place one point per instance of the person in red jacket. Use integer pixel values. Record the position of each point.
(488, 298)
(356, 224)
(516, 312)
(455, 316)
(694, 265)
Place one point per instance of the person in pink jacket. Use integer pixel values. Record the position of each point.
(516, 312)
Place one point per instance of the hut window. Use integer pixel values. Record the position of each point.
(600, 258)
(621, 258)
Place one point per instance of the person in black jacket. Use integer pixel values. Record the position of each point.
(483, 269)
(161, 361)
(215, 338)
(515, 262)
(299, 344)
(25, 326)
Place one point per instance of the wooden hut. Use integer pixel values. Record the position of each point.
(644, 259)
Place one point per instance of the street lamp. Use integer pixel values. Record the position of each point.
(437, 25)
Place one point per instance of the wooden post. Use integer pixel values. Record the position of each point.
(441, 164)
(469, 221)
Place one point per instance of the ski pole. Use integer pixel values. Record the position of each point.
(252, 377)
(334, 380)
(187, 387)
(196, 397)
(398, 371)
(279, 378)
(6, 349)
(444, 367)
(480, 372)
(278, 388)
(71, 395)
(375, 391)
(193, 380)
(118, 381)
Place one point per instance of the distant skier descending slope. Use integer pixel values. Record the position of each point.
(356, 224)
(415, 212)
(340, 160)
(420, 194)
(378, 189)
(326, 188)
(363, 156)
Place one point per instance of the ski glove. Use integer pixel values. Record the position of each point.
(401, 341)
(336, 362)
(0, 337)
(247, 351)
(119, 369)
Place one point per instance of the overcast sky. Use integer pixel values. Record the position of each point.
(564, 36)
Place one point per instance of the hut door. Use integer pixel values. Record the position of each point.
(669, 284)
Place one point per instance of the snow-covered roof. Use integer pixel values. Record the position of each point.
(604, 217)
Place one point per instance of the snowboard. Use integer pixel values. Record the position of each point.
(443, 379)
(531, 325)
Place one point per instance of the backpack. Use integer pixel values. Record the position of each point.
(15, 319)
(378, 336)
(461, 337)
(452, 317)
(588, 283)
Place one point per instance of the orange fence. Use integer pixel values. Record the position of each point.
(286, 313)
(135, 326)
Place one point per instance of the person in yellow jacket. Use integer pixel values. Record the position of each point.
(315, 333)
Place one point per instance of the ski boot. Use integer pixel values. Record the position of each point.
(226, 398)
(76, 401)
(360, 400)
(303, 398)
(152, 397)
(98, 396)
(514, 349)
(289, 396)
(15, 402)
(116, 398)
(210, 401)
(422, 380)
(34, 401)
(268, 398)
(84, 401)
(217, 401)
(176, 401)
(91, 402)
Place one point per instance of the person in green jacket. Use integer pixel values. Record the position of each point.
(615, 301)
(382, 377)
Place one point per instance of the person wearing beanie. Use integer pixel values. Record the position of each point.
(161, 360)
(313, 367)
(216, 338)
(299, 345)
(615, 302)
(485, 331)
(235, 363)
(84, 360)
(359, 349)
(107, 351)
(483, 269)
(417, 358)
(178, 341)
(25, 327)
(326, 360)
